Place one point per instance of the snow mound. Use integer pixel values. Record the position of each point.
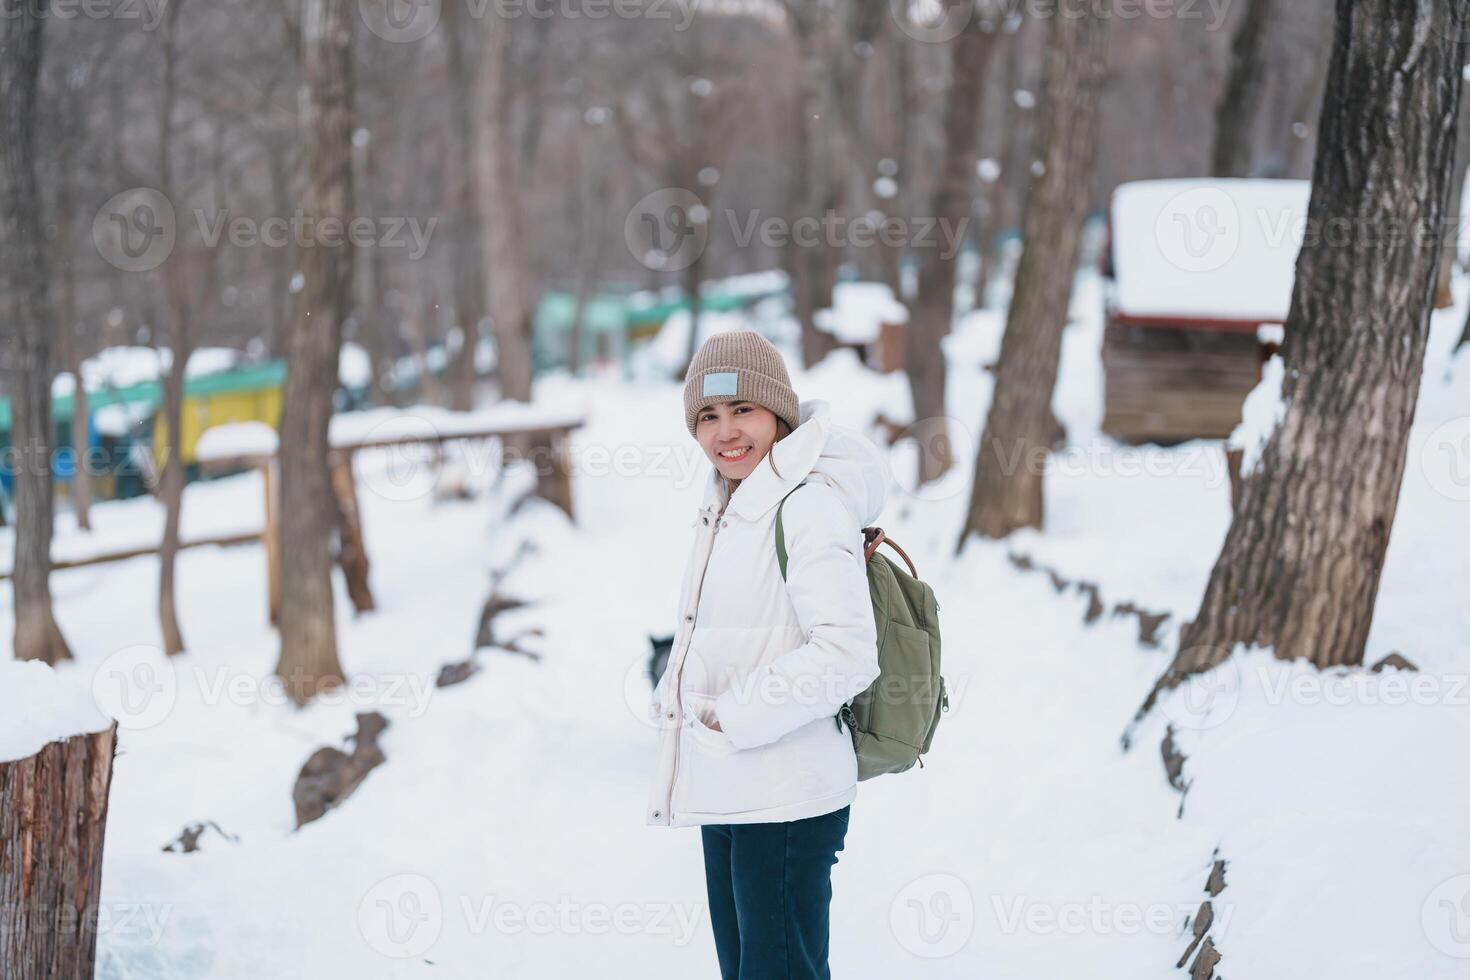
(38, 706)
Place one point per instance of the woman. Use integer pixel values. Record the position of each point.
(750, 749)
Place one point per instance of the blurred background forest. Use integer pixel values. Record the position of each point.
(344, 485)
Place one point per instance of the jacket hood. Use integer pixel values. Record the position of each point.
(817, 451)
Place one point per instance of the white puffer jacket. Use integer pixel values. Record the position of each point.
(772, 661)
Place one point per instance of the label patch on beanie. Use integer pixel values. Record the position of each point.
(720, 383)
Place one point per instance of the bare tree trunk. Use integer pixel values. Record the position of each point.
(176, 286)
(352, 547)
(934, 307)
(1235, 116)
(81, 428)
(72, 352)
(693, 276)
(590, 254)
(308, 662)
(370, 282)
(816, 183)
(172, 486)
(53, 817)
(1016, 146)
(500, 212)
(1309, 106)
(469, 263)
(1449, 252)
(282, 260)
(23, 277)
(415, 312)
(1020, 429)
(1300, 566)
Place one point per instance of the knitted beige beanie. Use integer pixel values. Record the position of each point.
(739, 366)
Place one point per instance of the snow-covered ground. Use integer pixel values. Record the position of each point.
(504, 835)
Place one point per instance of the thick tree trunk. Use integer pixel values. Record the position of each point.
(469, 263)
(1300, 565)
(934, 307)
(1235, 116)
(53, 815)
(23, 277)
(501, 219)
(1020, 429)
(308, 662)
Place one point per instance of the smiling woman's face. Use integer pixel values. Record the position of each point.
(735, 436)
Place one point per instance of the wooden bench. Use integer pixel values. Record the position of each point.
(553, 483)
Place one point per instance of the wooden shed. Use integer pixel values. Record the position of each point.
(1200, 275)
(126, 417)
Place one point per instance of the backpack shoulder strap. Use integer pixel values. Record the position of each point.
(781, 534)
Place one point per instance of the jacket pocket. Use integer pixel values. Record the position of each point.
(814, 762)
(698, 713)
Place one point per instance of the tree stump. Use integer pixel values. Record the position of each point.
(53, 811)
(331, 775)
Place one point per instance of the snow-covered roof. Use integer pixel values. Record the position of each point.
(858, 310)
(38, 706)
(1207, 249)
(234, 440)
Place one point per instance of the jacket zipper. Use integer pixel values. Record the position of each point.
(678, 680)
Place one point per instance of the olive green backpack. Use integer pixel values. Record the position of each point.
(893, 721)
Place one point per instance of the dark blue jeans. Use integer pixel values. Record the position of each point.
(770, 890)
